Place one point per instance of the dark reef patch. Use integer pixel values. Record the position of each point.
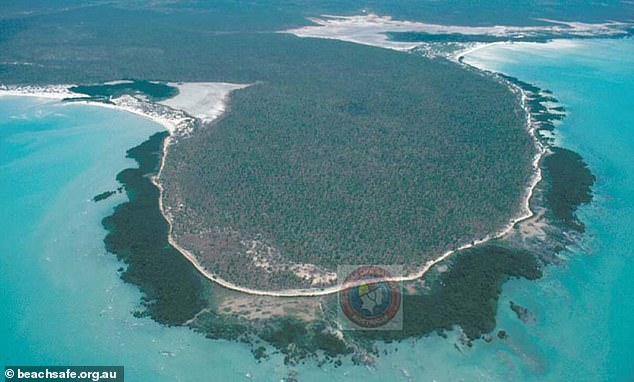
(466, 295)
(569, 185)
(138, 233)
(568, 180)
(522, 313)
(536, 99)
(104, 195)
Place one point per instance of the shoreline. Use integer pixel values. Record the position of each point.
(60, 95)
(373, 29)
(525, 213)
(172, 126)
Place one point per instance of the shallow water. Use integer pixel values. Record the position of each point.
(64, 303)
(585, 327)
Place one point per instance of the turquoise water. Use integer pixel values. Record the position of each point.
(63, 302)
(585, 310)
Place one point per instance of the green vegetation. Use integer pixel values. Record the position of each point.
(154, 91)
(366, 155)
(340, 153)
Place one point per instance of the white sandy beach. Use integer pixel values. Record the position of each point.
(58, 92)
(203, 100)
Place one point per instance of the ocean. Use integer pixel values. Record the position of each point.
(64, 303)
(584, 309)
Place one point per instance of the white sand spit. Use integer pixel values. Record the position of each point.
(203, 100)
(371, 29)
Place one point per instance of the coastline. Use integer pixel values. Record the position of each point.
(58, 92)
(372, 29)
(61, 92)
(175, 126)
(525, 213)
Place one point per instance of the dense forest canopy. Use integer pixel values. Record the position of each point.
(338, 153)
(364, 155)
